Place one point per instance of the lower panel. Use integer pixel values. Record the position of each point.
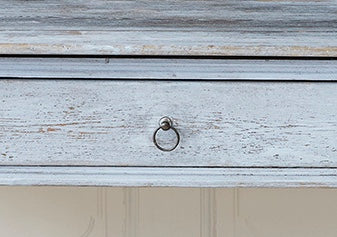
(168, 177)
(167, 212)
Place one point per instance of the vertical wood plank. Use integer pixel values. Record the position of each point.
(115, 214)
(225, 210)
(287, 212)
(168, 212)
(51, 211)
(208, 212)
(131, 203)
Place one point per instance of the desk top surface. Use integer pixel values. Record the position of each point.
(170, 27)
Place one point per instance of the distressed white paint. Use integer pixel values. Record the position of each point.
(225, 124)
(170, 27)
(166, 68)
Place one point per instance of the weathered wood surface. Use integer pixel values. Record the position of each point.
(172, 69)
(169, 27)
(225, 124)
(168, 177)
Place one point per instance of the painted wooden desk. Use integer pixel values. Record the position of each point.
(249, 87)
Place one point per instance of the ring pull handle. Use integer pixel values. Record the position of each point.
(165, 123)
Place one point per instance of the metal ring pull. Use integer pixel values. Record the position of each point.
(165, 123)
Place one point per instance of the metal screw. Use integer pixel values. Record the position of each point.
(165, 123)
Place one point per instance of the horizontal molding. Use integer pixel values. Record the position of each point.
(169, 177)
(165, 68)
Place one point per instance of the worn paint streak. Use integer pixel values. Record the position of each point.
(52, 129)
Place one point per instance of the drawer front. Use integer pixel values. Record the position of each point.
(223, 124)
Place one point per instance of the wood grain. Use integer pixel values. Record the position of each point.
(224, 124)
(168, 177)
(168, 69)
(170, 27)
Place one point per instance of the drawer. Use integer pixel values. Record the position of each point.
(220, 123)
